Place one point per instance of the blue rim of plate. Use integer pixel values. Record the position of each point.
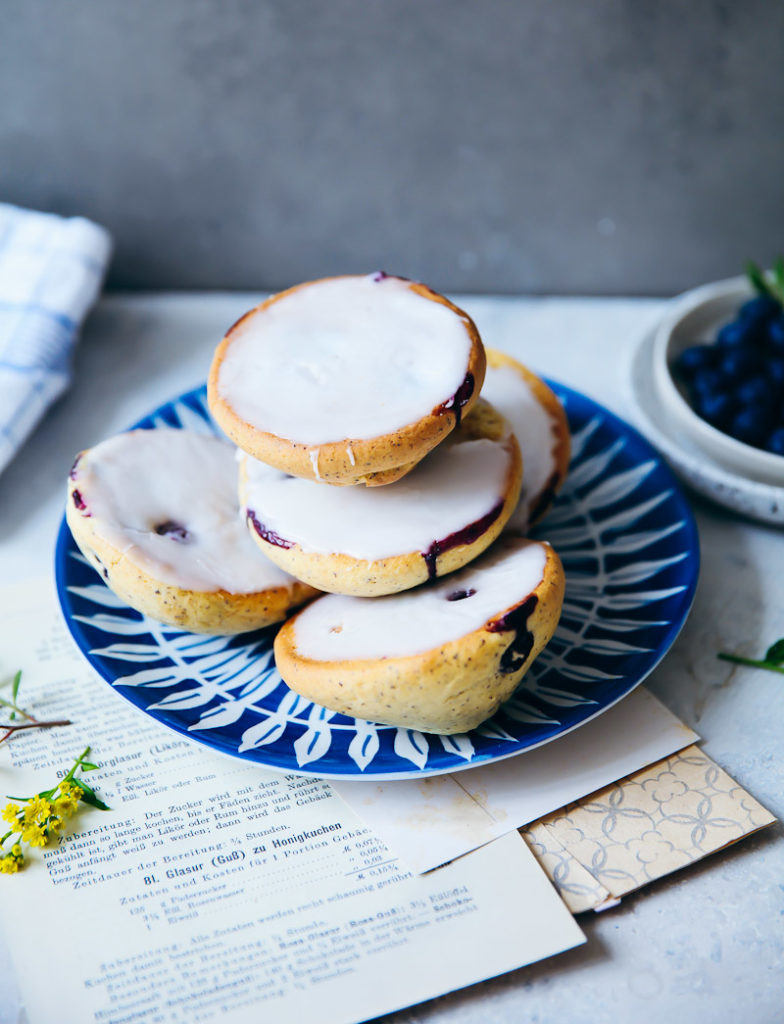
(628, 541)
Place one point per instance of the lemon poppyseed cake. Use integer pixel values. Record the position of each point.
(441, 658)
(347, 380)
(155, 513)
(381, 540)
(542, 430)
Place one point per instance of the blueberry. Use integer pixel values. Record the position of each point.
(775, 335)
(759, 310)
(738, 362)
(698, 357)
(174, 530)
(749, 426)
(737, 333)
(707, 381)
(775, 442)
(716, 408)
(756, 391)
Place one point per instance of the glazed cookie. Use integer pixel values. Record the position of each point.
(441, 658)
(347, 380)
(371, 541)
(542, 430)
(155, 513)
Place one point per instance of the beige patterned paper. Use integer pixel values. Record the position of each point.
(645, 826)
(577, 887)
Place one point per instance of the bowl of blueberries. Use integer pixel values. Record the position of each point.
(718, 369)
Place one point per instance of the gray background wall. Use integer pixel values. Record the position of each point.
(594, 146)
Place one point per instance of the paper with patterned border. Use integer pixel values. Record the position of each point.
(643, 827)
(428, 822)
(576, 886)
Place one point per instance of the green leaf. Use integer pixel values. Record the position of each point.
(95, 801)
(88, 766)
(778, 271)
(738, 659)
(758, 280)
(15, 686)
(775, 653)
(87, 791)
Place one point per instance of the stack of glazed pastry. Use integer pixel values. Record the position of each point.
(369, 468)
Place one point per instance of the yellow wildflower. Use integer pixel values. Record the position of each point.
(72, 790)
(10, 812)
(54, 825)
(37, 808)
(16, 851)
(34, 835)
(9, 864)
(66, 804)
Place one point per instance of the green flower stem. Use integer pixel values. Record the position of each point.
(751, 662)
(76, 765)
(15, 709)
(46, 820)
(31, 721)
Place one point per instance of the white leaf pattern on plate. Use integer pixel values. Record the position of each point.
(412, 746)
(619, 522)
(458, 744)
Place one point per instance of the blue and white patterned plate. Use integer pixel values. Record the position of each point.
(629, 545)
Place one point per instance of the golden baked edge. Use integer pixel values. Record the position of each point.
(212, 612)
(563, 447)
(371, 461)
(338, 573)
(449, 689)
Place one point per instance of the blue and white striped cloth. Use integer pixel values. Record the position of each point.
(51, 270)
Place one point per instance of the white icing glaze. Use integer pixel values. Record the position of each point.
(314, 457)
(138, 481)
(535, 431)
(337, 628)
(347, 358)
(452, 487)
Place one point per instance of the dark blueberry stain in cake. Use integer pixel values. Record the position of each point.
(460, 595)
(266, 534)
(516, 621)
(78, 501)
(545, 496)
(379, 275)
(104, 570)
(176, 531)
(467, 535)
(72, 474)
(458, 400)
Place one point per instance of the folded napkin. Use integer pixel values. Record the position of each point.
(51, 269)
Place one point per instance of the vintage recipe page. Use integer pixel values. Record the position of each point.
(215, 890)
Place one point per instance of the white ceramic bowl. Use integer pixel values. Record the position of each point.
(694, 318)
(749, 498)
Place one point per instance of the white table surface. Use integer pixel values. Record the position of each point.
(706, 944)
